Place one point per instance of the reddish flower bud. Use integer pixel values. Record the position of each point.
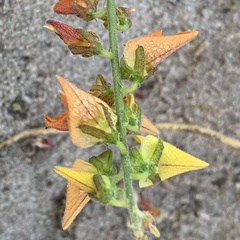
(81, 8)
(78, 41)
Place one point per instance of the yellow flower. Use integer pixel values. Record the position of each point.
(89, 120)
(79, 184)
(172, 161)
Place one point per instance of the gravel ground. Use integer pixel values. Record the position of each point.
(191, 86)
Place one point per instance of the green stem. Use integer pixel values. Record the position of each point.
(106, 54)
(132, 88)
(125, 159)
(117, 203)
(101, 15)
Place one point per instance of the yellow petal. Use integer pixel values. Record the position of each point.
(51, 28)
(174, 161)
(83, 180)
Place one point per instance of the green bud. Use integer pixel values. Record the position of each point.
(105, 191)
(103, 90)
(104, 163)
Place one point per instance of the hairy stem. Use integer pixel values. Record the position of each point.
(125, 159)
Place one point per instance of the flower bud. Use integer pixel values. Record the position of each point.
(133, 113)
(123, 18)
(105, 188)
(104, 163)
(79, 41)
(82, 8)
(103, 90)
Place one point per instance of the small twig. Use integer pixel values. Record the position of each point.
(28, 133)
(234, 143)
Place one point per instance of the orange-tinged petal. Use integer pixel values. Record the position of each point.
(174, 161)
(64, 100)
(156, 47)
(59, 122)
(84, 166)
(147, 126)
(76, 198)
(75, 201)
(86, 109)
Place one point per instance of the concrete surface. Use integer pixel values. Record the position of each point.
(203, 90)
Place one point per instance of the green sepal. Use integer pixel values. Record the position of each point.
(107, 190)
(139, 65)
(145, 168)
(133, 118)
(125, 70)
(103, 90)
(123, 18)
(95, 46)
(108, 116)
(155, 178)
(135, 74)
(104, 163)
(150, 151)
(104, 187)
(103, 137)
(95, 132)
(157, 153)
(137, 162)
